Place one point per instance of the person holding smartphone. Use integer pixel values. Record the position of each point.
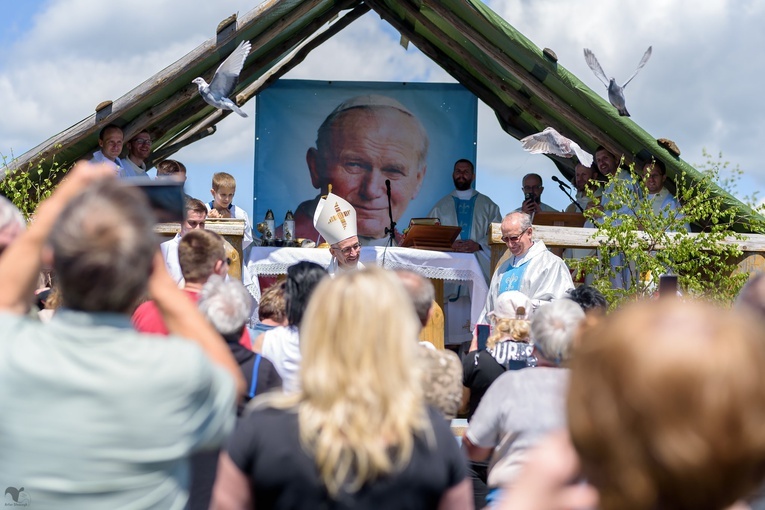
(532, 196)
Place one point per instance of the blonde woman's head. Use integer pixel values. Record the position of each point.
(357, 331)
(510, 318)
(361, 400)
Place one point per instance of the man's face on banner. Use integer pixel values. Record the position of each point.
(365, 147)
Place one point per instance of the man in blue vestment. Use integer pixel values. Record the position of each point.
(531, 269)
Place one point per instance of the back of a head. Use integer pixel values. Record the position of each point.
(510, 318)
(358, 320)
(421, 293)
(170, 167)
(554, 327)
(226, 304)
(589, 298)
(103, 245)
(666, 406)
(198, 252)
(302, 279)
(272, 304)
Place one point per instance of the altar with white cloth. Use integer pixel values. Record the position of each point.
(435, 265)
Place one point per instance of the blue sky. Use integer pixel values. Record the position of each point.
(16, 20)
(701, 87)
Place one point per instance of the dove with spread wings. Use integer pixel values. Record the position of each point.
(615, 92)
(550, 141)
(224, 80)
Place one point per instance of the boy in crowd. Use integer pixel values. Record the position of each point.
(221, 206)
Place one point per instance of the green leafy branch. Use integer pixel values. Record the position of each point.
(642, 244)
(27, 187)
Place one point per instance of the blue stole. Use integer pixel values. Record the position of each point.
(464, 210)
(512, 278)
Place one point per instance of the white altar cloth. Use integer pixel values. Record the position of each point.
(268, 261)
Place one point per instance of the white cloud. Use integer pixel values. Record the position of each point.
(66, 64)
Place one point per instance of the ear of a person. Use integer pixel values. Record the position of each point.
(420, 179)
(220, 268)
(312, 160)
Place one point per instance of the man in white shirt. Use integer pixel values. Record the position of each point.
(584, 177)
(662, 201)
(608, 166)
(196, 214)
(532, 193)
(139, 149)
(110, 140)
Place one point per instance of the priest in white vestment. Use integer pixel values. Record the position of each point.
(473, 211)
(662, 201)
(531, 269)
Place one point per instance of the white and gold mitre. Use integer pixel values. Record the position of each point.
(334, 219)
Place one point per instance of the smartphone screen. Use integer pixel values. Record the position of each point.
(482, 334)
(667, 285)
(166, 198)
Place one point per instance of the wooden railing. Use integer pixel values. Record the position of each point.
(753, 245)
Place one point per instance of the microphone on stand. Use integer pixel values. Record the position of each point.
(563, 187)
(392, 230)
(560, 183)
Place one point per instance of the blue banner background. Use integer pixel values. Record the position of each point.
(289, 113)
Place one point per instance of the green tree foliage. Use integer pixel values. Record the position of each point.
(728, 177)
(643, 245)
(26, 188)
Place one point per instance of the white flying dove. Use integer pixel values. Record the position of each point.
(224, 80)
(615, 92)
(550, 141)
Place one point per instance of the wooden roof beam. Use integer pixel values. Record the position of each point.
(85, 128)
(463, 76)
(281, 68)
(189, 93)
(524, 76)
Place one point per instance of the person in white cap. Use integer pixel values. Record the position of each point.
(335, 220)
(507, 348)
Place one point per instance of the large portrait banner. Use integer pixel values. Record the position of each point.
(363, 139)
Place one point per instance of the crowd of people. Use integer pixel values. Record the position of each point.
(118, 404)
(147, 384)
